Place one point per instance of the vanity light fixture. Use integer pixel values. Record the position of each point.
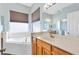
(48, 5)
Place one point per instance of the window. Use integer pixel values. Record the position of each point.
(18, 22)
(36, 20)
(18, 17)
(18, 27)
(36, 26)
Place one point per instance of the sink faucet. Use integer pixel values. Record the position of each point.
(50, 33)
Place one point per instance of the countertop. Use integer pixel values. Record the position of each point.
(67, 43)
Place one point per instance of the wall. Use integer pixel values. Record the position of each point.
(35, 6)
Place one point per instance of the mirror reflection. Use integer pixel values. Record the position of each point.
(58, 17)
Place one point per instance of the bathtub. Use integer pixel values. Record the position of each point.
(18, 43)
(18, 48)
(18, 37)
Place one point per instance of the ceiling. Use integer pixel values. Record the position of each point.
(27, 4)
(53, 9)
(57, 7)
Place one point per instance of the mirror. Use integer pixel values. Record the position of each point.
(55, 19)
(47, 21)
(62, 18)
(54, 23)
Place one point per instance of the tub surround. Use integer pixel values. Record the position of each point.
(67, 43)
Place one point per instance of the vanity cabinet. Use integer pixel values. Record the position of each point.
(40, 47)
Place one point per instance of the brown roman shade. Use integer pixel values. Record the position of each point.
(18, 17)
(36, 15)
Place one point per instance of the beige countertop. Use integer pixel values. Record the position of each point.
(70, 44)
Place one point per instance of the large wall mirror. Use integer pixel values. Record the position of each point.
(55, 22)
(63, 18)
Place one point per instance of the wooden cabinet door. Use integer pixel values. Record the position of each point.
(46, 52)
(39, 49)
(34, 46)
(46, 48)
(43, 48)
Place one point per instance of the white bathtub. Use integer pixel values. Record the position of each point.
(18, 43)
(18, 48)
(18, 37)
